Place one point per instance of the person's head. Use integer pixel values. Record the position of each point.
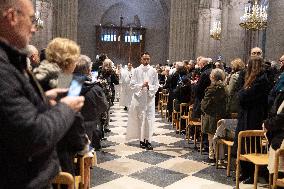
(33, 55)
(254, 68)
(198, 59)
(281, 61)
(203, 62)
(256, 52)
(129, 66)
(216, 75)
(107, 65)
(179, 66)
(17, 22)
(145, 58)
(237, 65)
(83, 65)
(64, 52)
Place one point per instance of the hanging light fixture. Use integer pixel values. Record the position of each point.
(216, 30)
(255, 17)
(39, 21)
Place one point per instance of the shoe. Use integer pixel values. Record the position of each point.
(125, 108)
(142, 145)
(182, 132)
(104, 138)
(148, 145)
(107, 130)
(177, 132)
(248, 181)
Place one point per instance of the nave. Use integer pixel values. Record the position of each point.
(172, 164)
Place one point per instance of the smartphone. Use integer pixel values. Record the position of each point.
(75, 86)
(94, 76)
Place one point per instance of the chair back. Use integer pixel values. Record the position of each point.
(184, 109)
(251, 142)
(277, 182)
(64, 178)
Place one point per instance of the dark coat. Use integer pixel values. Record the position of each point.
(95, 104)
(202, 84)
(253, 106)
(213, 105)
(275, 123)
(29, 128)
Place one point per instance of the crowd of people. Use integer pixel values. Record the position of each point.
(43, 128)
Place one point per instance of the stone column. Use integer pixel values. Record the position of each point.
(65, 19)
(275, 30)
(233, 36)
(203, 39)
(182, 19)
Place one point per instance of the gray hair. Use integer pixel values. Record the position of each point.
(83, 65)
(30, 50)
(217, 74)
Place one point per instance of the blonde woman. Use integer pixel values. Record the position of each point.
(61, 57)
(237, 66)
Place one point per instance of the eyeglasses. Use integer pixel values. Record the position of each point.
(32, 18)
(258, 53)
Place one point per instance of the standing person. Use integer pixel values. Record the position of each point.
(126, 93)
(144, 84)
(30, 126)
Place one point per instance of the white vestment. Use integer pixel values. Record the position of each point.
(142, 109)
(125, 93)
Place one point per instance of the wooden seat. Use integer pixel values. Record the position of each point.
(229, 145)
(175, 116)
(64, 178)
(253, 152)
(196, 123)
(276, 181)
(183, 114)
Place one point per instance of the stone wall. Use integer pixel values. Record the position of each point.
(153, 15)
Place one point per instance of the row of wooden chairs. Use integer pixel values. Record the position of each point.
(81, 181)
(252, 145)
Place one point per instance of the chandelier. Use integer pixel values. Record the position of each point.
(215, 32)
(255, 17)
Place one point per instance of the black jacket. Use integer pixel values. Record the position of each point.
(202, 84)
(29, 128)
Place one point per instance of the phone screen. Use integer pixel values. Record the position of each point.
(94, 76)
(75, 88)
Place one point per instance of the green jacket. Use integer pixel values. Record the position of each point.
(213, 106)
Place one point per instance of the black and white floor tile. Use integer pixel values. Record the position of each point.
(172, 164)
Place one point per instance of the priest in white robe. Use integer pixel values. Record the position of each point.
(144, 84)
(126, 93)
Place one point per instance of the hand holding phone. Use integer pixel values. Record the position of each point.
(75, 87)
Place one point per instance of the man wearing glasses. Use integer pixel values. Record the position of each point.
(30, 127)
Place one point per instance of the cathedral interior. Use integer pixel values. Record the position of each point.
(171, 31)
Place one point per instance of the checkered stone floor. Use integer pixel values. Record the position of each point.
(172, 164)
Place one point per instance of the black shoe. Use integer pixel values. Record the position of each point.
(248, 181)
(241, 178)
(142, 145)
(125, 108)
(107, 130)
(148, 145)
(182, 132)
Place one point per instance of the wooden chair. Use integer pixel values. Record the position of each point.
(276, 181)
(175, 116)
(160, 101)
(196, 123)
(164, 103)
(64, 178)
(252, 142)
(229, 145)
(184, 114)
